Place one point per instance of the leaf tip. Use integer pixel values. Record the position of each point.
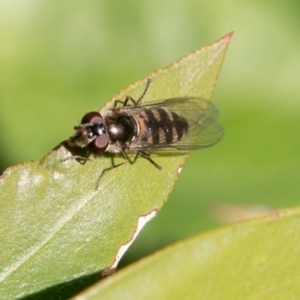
(228, 36)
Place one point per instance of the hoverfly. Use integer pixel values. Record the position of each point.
(134, 127)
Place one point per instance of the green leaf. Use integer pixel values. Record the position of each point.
(255, 259)
(57, 230)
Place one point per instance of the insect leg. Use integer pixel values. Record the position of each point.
(148, 157)
(113, 166)
(106, 170)
(76, 157)
(125, 102)
(138, 102)
(127, 99)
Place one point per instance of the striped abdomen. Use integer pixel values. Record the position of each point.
(162, 126)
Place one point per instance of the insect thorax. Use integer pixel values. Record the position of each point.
(120, 127)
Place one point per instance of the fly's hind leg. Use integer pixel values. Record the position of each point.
(142, 154)
(148, 157)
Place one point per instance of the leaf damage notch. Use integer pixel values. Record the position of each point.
(142, 221)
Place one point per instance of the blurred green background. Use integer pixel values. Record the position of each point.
(60, 59)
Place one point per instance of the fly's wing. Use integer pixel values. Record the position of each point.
(203, 130)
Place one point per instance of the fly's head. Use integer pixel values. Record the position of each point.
(90, 133)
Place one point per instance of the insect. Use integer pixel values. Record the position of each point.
(134, 127)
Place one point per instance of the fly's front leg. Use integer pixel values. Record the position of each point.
(76, 157)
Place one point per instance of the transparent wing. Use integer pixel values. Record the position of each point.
(201, 115)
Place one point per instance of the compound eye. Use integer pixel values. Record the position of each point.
(99, 144)
(92, 117)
